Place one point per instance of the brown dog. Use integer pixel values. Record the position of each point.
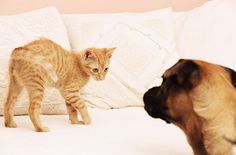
(200, 98)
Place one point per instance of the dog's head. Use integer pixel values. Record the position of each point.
(187, 87)
(171, 101)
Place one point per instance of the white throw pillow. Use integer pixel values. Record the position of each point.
(18, 30)
(208, 32)
(145, 48)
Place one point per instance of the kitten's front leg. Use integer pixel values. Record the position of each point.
(72, 112)
(74, 103)
(82, 108)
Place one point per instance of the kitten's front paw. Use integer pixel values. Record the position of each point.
(82, 123)
(75, 122)
(87, 121)
(11, 124)
(43, 129)
(78, 122)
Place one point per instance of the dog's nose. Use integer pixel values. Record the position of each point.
(145, 97)
(150, 94)
(147, 101)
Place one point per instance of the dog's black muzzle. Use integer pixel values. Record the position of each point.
(155, 104)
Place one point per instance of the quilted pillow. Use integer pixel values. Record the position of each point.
(145, 47)
(18, 30)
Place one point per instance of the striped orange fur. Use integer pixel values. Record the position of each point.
(43, 63)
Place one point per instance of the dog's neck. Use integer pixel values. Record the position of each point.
(195, 137)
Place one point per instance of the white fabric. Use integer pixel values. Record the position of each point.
(20, 29)
(208, 32)
(145, 47)
(127, 131)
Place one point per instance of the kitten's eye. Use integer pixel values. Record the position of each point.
(106, 69)
(95, 70)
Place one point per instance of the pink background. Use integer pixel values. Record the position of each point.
(96, 6)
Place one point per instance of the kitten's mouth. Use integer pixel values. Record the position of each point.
(98, 78)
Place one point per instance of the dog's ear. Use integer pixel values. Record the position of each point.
(232, 74)
(187, 73)
(233, 77)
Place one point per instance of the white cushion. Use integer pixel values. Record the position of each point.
(145, 47)
(18, 30)
(208, 32)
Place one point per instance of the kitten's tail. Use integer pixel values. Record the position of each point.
(40, 60)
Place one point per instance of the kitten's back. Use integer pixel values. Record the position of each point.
(51, 56)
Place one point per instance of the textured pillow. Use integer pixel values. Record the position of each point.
(208, 32)
(20, 29)
(145, 47)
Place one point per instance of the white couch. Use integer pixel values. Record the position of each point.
(147, 44)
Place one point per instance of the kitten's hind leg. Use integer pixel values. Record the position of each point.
(36, 89)
(14, 90)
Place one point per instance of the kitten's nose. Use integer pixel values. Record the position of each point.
(99, 78)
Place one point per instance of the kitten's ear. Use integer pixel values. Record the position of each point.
(110, 51)
(89, 55)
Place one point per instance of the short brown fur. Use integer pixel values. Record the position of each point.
(203, 105)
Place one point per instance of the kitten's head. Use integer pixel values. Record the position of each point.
(96, 61)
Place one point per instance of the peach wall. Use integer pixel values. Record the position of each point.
(96, 6)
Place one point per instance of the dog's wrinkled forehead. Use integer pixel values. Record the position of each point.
(185, 73)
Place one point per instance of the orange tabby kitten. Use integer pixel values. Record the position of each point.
(43, 63)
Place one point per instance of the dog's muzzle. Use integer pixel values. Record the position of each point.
(155, 104)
